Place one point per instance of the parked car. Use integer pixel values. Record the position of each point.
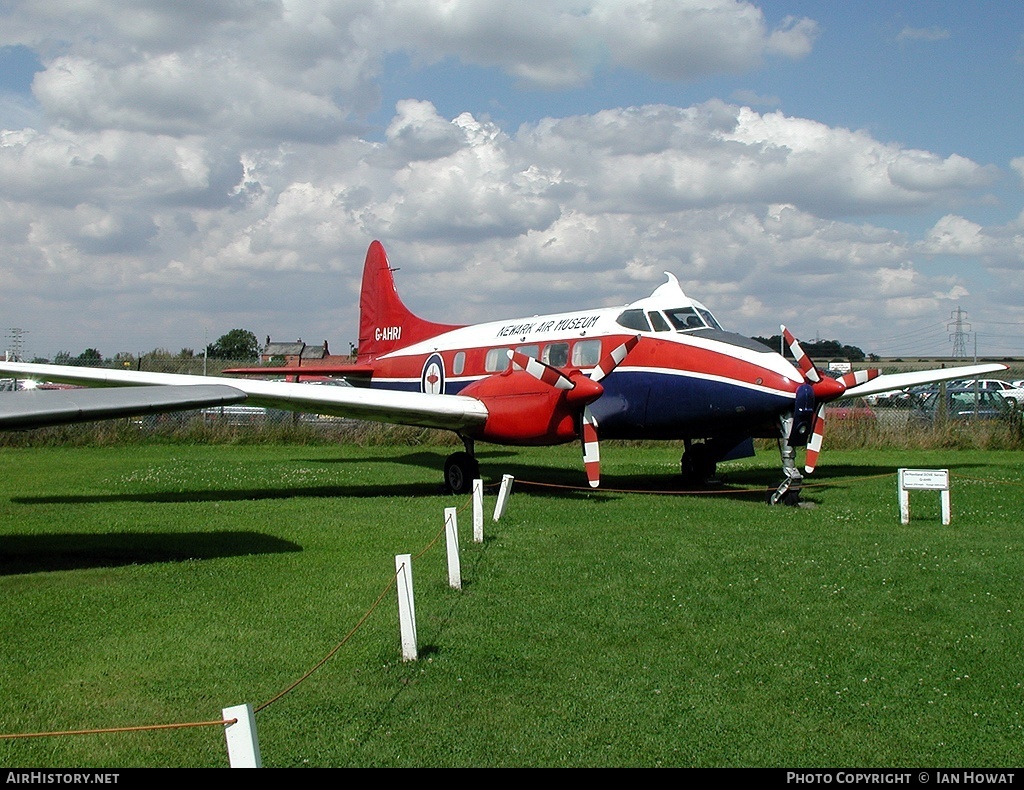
(235, 415)
(851, 410)
(962, 403)
(1012, 390)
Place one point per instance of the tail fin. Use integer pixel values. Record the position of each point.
(385, 323)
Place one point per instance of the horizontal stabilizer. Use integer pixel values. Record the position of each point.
(40, 408)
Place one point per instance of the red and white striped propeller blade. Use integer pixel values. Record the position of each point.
(549, 375)
(588, 422)
(859, 377)
(817, 435)
(591, 448)
(804, 362)
(588, 425)
(612, 360)
(827, 390)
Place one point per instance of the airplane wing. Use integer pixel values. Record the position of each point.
(451, 412)
(39, 408)
(898, 381)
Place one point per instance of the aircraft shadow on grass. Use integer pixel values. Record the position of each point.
(64, 551)
(235, 494)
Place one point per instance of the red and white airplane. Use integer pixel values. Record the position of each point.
(659, 368)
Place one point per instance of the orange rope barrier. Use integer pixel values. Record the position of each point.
(139, 728)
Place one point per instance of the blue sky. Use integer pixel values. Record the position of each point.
(172, 171)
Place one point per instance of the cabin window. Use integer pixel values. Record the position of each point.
(658, 322)
(685, 318)
(532, 351)
(556, 354)
(496, 360)
(459, 363)
(633, 319)
(586, 353)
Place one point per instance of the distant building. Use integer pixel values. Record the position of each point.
(298, 354)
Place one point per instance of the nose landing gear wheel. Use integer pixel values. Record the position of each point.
(460, 470)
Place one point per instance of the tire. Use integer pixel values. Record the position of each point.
(697, 467)
(460, 470)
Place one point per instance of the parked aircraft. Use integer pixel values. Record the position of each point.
(661, 367)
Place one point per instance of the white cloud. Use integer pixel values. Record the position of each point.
(195, 162)
(1018, 165)
(561, 43)
(954, 235)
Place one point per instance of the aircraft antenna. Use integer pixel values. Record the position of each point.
(960, 331)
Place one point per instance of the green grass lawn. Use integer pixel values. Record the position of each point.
(156, 584)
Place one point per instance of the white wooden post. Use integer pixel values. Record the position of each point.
(451, 531)
(478, 511)
(243, 745)
(503, 493)
(406, 606)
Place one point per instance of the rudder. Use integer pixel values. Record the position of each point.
(385, 323)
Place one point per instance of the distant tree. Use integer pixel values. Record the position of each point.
(62, 358)
(821, 351)
(186, 353)
(89, 357)
(238, 344)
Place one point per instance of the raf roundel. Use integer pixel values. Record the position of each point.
(432, 377)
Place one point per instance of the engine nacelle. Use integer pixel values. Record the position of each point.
(803, 416)
(524, 411)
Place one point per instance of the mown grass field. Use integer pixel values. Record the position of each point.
(153, 584)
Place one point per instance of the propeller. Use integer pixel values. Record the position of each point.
(820, 390)
(583, 390)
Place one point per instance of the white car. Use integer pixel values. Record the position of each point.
(1009, 390)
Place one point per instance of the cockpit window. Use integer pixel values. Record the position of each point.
(658, 321)
(709, 319)
(685, 318)
(633, 319)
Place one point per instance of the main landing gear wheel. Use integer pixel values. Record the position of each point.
(460, 470)
(698, 467)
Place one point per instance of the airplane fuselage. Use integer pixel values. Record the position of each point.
(675, 384)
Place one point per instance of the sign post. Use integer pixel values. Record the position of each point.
(923, 480)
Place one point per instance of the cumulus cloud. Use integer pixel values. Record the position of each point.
(304, 69)
(185, 161)
(562, 43)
